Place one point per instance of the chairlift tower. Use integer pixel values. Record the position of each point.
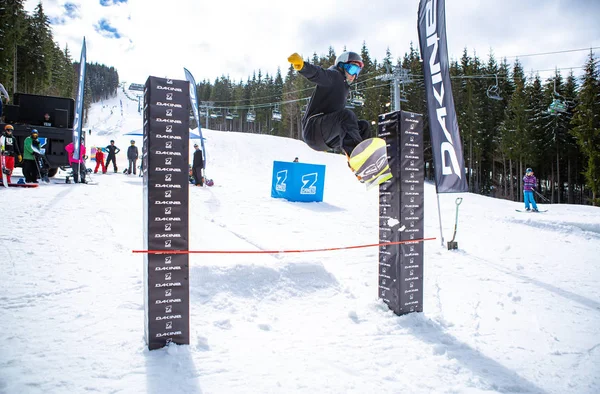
(399, 76)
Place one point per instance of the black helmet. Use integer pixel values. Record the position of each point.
(349, 57)
(132, 141)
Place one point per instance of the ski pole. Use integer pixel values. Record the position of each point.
(541, 196)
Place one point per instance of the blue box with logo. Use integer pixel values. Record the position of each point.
(301, 182)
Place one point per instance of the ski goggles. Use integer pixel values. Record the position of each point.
(352, 68)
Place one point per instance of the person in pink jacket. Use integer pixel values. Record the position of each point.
(77, 164)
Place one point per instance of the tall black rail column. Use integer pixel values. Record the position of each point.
(401, 213)
(165, 162)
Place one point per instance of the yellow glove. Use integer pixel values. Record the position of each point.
(296, 61)
(19, 158)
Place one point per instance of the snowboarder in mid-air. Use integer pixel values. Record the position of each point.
(327, 123)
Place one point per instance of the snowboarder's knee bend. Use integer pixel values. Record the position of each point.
(313, 135)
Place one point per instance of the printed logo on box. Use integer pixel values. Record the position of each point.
(308, 186)
(281, 178)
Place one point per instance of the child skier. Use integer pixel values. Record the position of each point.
(99, 161)
(529, 184)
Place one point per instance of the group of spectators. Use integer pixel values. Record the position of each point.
(111, 157)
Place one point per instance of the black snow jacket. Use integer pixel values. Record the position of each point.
(112, 150)
(198, 159)
(132, 152)
(10, 145)
(331, 92)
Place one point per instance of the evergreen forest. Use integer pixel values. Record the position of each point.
(509, 118)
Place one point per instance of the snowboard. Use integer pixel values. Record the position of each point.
(26, 185)
(41, 164)
(369, 162)
(539, 211)
(3, 165)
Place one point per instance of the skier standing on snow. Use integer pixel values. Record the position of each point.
(99, 161)
(198, 166)
(9, 150)
(529, 185)
(327, 123)
(112, 155)
(132, 156)
(30, 171)
(77, 164)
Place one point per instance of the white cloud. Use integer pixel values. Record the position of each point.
(235, 38)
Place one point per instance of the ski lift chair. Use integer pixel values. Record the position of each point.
(557, 106)
(276, 114)
(251, 116)
(228, 116)
(357, 100)
(493, 92)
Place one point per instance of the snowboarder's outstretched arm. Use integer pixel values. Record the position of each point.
(311, 72)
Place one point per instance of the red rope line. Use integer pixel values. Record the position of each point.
(276, 251)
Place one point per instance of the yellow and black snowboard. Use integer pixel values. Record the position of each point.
(369, 162)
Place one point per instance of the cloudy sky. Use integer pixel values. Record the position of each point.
(237, 37)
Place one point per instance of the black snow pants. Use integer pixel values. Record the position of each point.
(339, 130)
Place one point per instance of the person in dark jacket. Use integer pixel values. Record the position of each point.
(10, 150)
(327, 123)
(30, 170)
(132, 156)
(529, 185)
(112, 151)
(198, 166)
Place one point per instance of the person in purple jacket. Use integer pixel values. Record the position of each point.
(529, 185)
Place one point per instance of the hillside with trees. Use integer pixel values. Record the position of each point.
(509, 118)
(32, 62)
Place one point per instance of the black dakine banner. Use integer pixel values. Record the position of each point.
(165, 165)
(401, 213)
(445, 137)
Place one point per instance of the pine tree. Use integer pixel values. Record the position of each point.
(34, 56)
(514, 130)
(586, 122)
